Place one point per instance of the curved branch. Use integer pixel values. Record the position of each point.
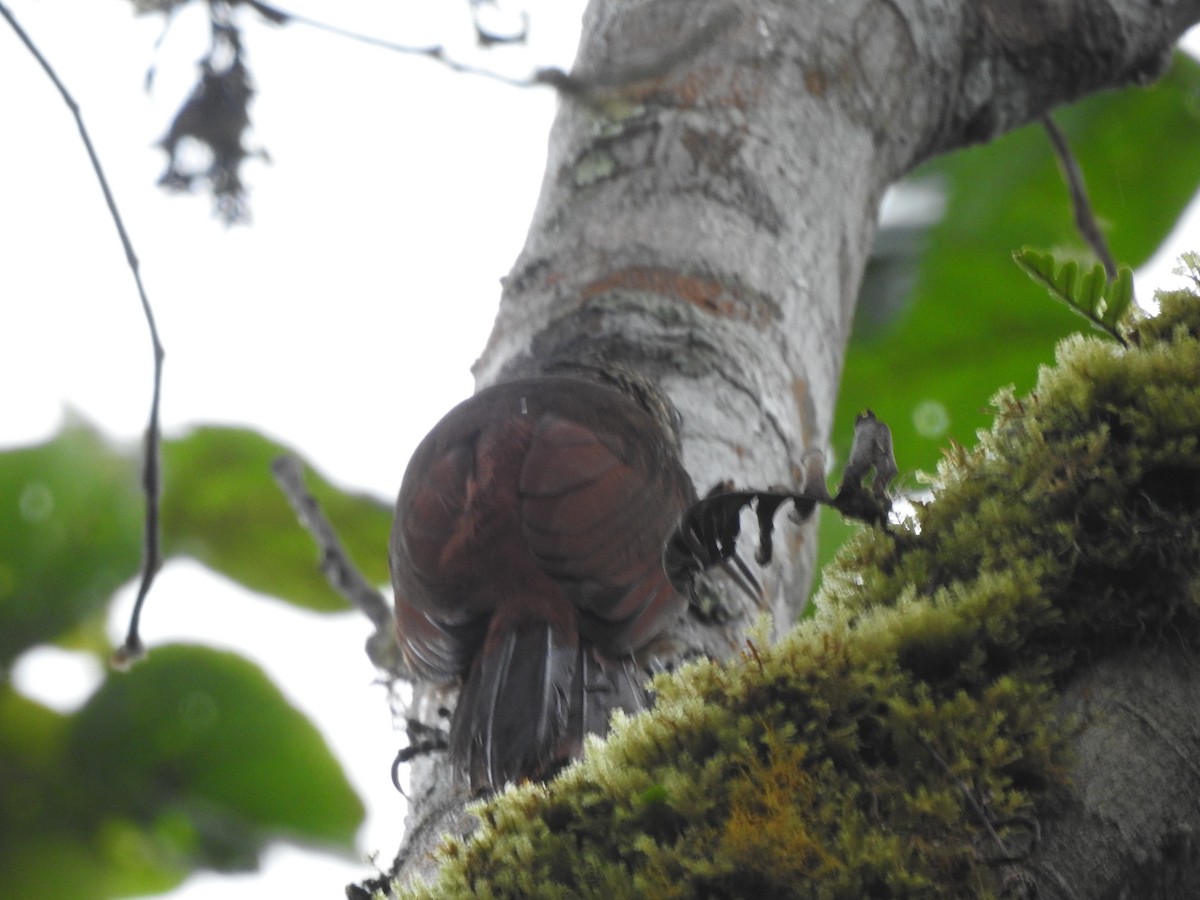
(133, 648)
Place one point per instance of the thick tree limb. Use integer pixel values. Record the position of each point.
(708, 225)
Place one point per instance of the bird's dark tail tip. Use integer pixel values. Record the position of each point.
(534, 692)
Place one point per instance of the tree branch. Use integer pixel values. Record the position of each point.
(337, 567)
(708, 226)
(1085, 218)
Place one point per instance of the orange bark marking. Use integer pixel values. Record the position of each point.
(709, 294)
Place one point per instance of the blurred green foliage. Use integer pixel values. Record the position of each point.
(222, 507)
(949, 318)
(193, 759)
(70, 535)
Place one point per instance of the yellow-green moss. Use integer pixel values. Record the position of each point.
(898, 742)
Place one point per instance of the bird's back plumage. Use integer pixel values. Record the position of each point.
(527, 560)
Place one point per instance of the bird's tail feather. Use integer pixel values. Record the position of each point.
(533, 693)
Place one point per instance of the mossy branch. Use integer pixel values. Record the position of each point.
(904, 742)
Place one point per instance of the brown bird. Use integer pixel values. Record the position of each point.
(527, 559)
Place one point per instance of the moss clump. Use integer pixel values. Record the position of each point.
(901, 742)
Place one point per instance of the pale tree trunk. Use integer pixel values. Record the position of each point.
(711, 198)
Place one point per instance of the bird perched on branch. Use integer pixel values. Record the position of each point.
(527, 559)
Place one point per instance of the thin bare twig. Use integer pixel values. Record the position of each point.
(435, 51)
(132, 649)
(337, 567)
(1085, 218)
(563, 82)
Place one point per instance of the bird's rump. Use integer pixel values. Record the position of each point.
(527, 559)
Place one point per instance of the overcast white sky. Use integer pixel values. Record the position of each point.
(343, 321)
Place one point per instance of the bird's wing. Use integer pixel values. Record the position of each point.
(596, 519)
(438, 640)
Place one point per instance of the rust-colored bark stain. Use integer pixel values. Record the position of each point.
(707, 87)
(797, 473)
(712, 86)
(715, 297)
(815, 82)
(807, 412)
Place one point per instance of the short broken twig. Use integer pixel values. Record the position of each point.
(337, 567)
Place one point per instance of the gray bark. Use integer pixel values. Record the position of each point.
(1128, 825)
(711, 198)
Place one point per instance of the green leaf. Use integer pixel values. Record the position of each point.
(1091, 289)
(35, 866)
(1119, 297)
(1065, 280)
(191, 760)
(1082, 297)
(1044, 269)
(928, 366)
(222, 507)
(197, 760)
(46, 828)
(70, 534)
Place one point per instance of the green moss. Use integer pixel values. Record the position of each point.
(902, 739)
